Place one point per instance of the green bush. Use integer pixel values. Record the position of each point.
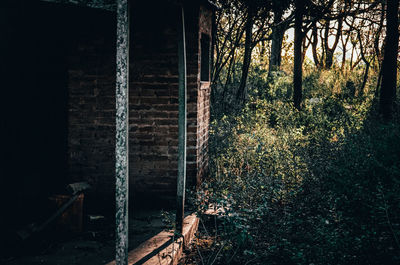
(317, 186)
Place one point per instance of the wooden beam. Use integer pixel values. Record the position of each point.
(181, 124)
(122, 122)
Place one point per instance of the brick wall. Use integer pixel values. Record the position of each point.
(91, 101)
(154, 98)
(64, 127)
(203, 101)
(153, 95)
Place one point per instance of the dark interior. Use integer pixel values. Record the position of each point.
(37, 38)
(34, 102)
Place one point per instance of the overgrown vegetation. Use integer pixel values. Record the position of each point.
(304, 147)
(316, 186)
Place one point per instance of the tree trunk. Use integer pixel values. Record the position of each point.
(305, 46)
(277, 35)
(365, 79)
(241, 93)
(389, 64)
(367, 65)
(378, 84)
(344, 46)
(328, 58)
(297, 67)
(329, 51)
(314, 45)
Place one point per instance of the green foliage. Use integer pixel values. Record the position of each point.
(320, 186)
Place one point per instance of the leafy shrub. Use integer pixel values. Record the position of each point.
(319, 186)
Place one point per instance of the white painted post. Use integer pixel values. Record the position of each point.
(122, 123)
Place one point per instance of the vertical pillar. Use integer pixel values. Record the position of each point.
(181, 123)
(122, 122)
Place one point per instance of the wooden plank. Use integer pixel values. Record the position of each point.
(164, 248)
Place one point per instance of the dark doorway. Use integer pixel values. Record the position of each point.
(34, 109)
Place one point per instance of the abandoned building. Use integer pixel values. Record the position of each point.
(59, 100)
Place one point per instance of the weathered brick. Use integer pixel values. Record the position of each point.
(153, 109)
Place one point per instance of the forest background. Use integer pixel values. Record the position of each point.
(305, 135)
